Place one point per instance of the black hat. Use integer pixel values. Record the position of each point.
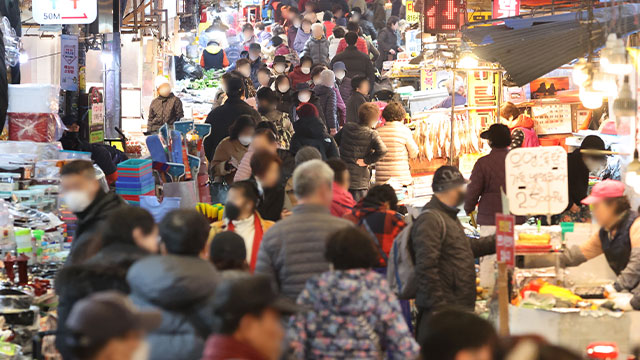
(276, 41)
(498, 134)
(447, 177)
(279, 59)
(592, 142)
(107, 315)
(255, 46)
(303, 86)
(235, 87)
(227, 245)
(248, 294)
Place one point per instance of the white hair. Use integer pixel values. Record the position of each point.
(309, 176)
(316, 26)
(459, 84)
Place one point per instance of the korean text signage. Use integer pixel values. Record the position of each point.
(69, 62)
(553, 119)
(505, 8)
(537, 181)
(505, 243)
(482, 92)
(65, 11)
(411, 14)
(96, 126)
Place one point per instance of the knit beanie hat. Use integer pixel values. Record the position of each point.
(307, 110)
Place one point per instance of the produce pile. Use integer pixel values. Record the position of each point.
(211, 79)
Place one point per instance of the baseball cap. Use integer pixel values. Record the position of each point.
(447, 177)
(107, 315)
(606, 189)
(498, 134)
(339, 65)
(227, 245)
(248, 294)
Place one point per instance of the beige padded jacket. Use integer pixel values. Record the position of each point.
(401, 147)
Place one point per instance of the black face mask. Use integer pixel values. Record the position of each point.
(231, 211)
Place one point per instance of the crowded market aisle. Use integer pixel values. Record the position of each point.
(320, 180)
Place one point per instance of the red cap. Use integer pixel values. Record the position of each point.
(604, 190)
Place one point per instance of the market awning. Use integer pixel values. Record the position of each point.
(528, 48)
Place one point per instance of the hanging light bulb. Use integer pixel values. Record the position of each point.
(580, 73)
(632, 177)
(468, 62)
(604, 83)
(624, 108)
(613, 58)
(590, 98)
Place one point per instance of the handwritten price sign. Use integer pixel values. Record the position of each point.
(537, 182)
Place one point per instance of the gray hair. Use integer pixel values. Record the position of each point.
(309, 176)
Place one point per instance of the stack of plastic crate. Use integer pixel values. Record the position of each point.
(135, 178)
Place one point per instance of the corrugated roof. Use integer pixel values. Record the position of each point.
(529, 48)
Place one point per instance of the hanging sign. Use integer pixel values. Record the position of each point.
(427, 79)
(64, 11)
(505, 8)
(69, 62)
(552, 119)
(96, 123)
(444, 16)
(477, 16)
(482, 92)
(505, 244)
(537, 181)
(412, 16)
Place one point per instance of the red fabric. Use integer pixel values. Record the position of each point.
(328, 26)
(360, 44)
(343, 202)
(257, 239)
(384, 223)
(298, 77)
(524, 122)
(306, 110)
(301, 4)
(221, 347)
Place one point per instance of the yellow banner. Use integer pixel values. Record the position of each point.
(412, 16)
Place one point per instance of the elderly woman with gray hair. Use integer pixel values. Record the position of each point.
(327, 100)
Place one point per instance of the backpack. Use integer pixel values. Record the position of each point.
(401, 273)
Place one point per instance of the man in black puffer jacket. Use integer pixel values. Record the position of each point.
(310, 131)
(180, 285)
(444, 255)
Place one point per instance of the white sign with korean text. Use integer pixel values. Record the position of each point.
(69, 62)
(537, 181)
(552, 119)
(48, 12)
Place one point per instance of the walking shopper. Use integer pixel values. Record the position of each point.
(82, 194)
(388, 42)
(343, 83)
(263, 139)
(268, 109)
(360, 88)
(343, 202)
(310, 131)
(302, 72)
(355, 61)
(105, 326)
(327, 99)
(291, 250)
(361, 147)
(228, 253)
(242, 217)
(317, 46)
(180, 285)
(244, 68)
(223, 116)
(266, 170)
(445, 266)
(400, 143)
(284, 93)
(248, 320)
(305, 154)
(164, 109)
(353, 314)
(231, 149)
(302, 36)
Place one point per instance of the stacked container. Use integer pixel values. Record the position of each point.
(135, 178)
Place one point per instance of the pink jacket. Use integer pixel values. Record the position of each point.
(244, 169)
(342, 203)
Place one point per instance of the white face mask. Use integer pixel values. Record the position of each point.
(297, 24)
(253, 57)
(279, 68)
(305, 70)
(77, 201)
(304, 97)
(246, 72)
(283, 88)
(339, 74)
(142, 352)
(245, 140)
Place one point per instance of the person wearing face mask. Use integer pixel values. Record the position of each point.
(305, 94)
(361, 147)
(82, 194)
(268, 109)
(231, 149)
(327, 99)
(317, 46)
(292, 250)
(579, 165)
(303, 34)
(284, 93)
(343, 83)
(107, 326)
(164, 109)
(242, 217)
(180, 284)
(444, 255)
(488, 177)
(302, 72)
(280, 65)
(356, 62)
(243, 67)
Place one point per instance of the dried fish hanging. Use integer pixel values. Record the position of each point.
(433, 135)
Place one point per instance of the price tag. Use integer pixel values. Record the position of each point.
(505, 243)
(537, 181)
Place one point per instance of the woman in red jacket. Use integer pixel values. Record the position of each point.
(302, 72)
